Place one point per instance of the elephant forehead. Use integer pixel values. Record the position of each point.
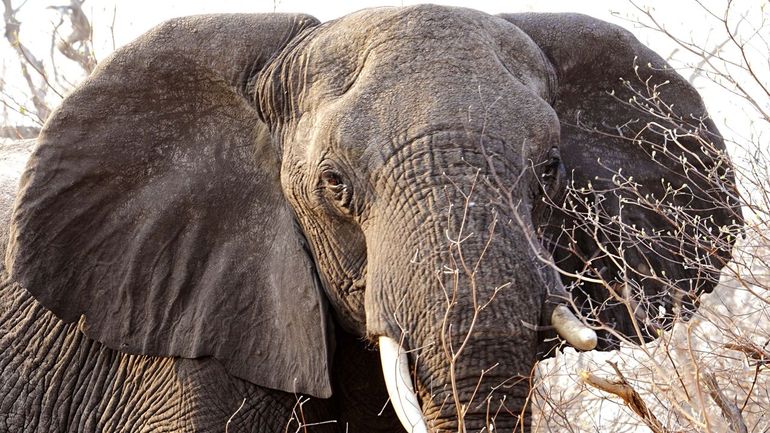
(438, 48)
(400, 73)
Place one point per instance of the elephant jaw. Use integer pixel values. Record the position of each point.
(395, 369)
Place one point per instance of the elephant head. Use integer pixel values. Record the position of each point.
(237, 186)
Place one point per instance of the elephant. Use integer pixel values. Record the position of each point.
(261, 222)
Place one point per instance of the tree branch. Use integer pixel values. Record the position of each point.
(628, 394)
(729, 409)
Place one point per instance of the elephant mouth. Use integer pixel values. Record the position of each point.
(398, 380)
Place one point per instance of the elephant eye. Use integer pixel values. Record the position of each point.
(331, 178)
(335, 189)
(552, 164)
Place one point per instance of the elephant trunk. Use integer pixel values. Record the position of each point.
(456, 307)
(398, 379)
(454, 277)
(417, 413)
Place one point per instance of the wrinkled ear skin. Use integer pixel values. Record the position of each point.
(152, 208)
(602, 134)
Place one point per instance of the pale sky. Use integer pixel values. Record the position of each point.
(132, 18)
(134, 14)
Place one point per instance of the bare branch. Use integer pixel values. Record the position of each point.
(77, 45)
(628, 394)
(729, 409)
(26, 58)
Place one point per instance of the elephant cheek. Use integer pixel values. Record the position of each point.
(376, 315)
(347, 306)
(395, 302)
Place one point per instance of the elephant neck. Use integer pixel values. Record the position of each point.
(47, 365)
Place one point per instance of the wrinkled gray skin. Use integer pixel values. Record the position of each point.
(222, 220)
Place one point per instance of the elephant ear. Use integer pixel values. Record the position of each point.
(653, 210)
(152, 208)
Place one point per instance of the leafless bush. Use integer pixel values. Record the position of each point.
(45, 80)
(708, 373)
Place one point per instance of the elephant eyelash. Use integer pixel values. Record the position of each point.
(552, 165)
(333, 186)
(551, 171)
(342, 196)
(330, 178)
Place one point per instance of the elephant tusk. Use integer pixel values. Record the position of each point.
(572, 329)
(395, 369)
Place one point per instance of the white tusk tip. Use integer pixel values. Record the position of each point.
(571, 329)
